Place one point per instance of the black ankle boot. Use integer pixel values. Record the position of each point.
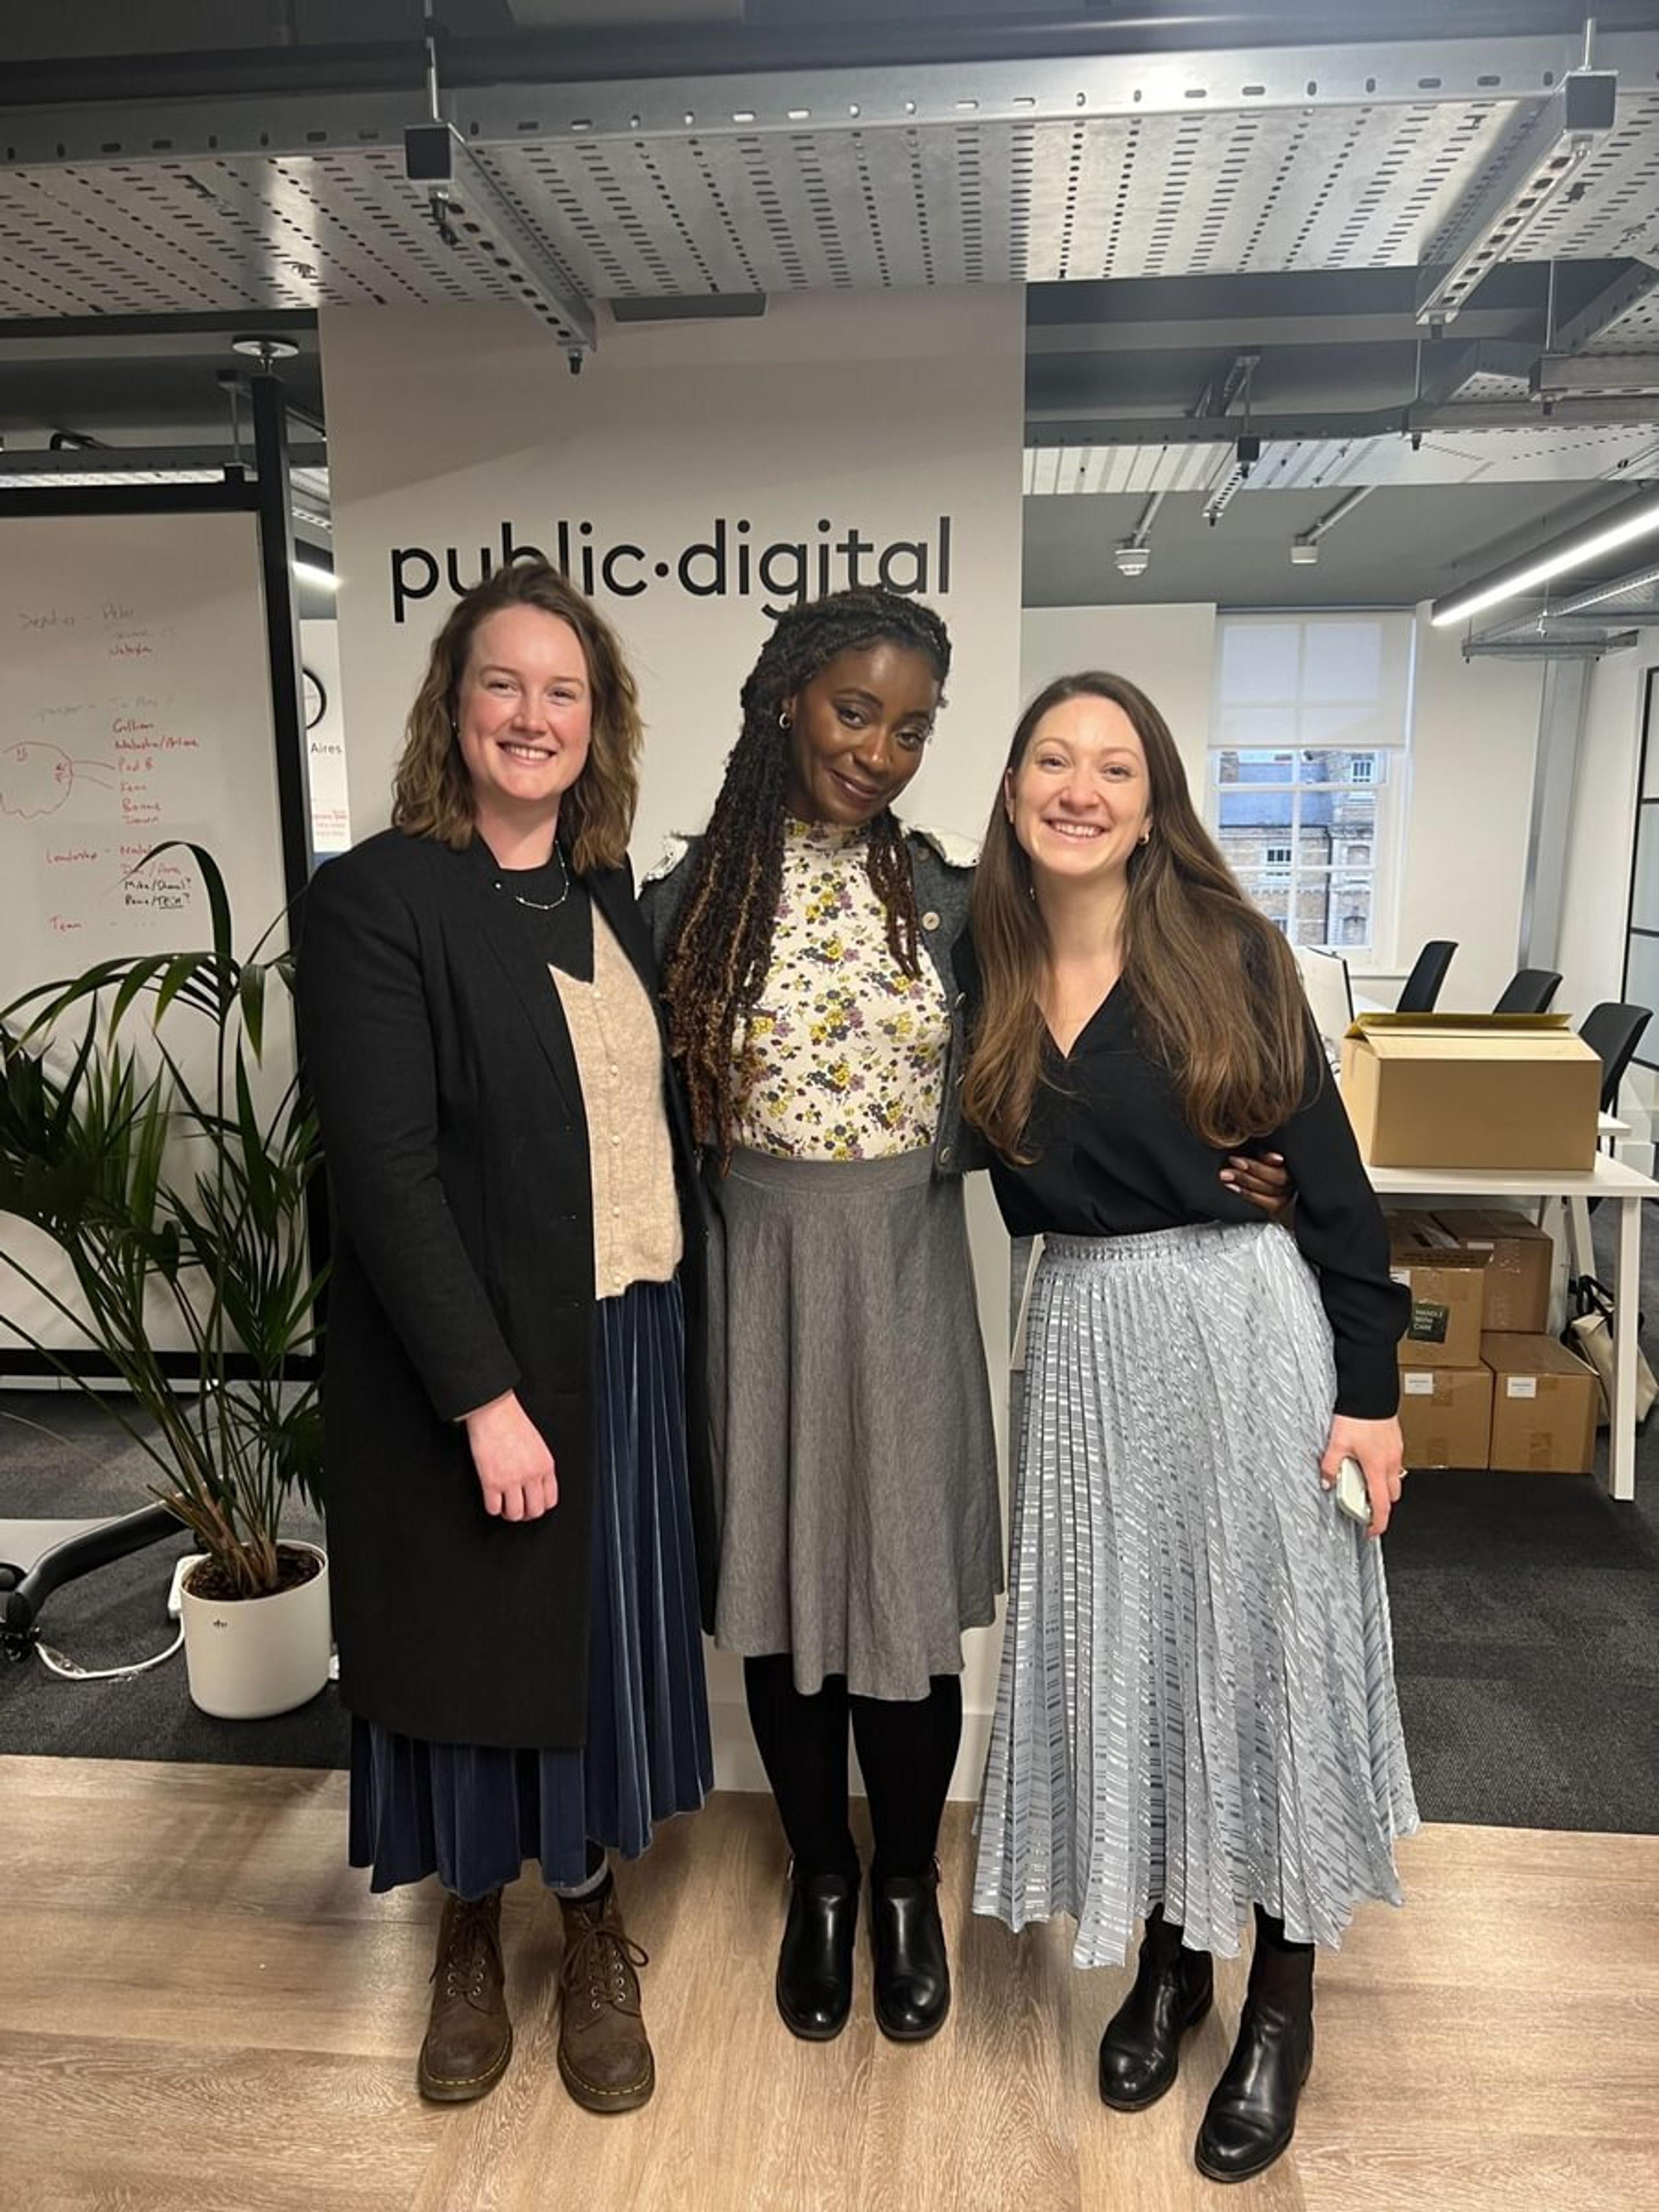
(913, 1975)
(1252, 2113)
(1140, 2051)
(815, 1962)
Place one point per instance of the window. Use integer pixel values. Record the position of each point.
(1307, 768)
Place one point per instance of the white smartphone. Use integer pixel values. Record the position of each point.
(1353, 1497)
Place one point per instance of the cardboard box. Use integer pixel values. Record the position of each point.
(1448, 1295)
(1445, 1414)
(1471, 1090)
(1544, 1402)
(1520, 1260)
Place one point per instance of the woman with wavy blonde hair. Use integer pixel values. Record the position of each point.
(512, 1496)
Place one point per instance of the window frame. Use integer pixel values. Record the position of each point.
(1390, 790)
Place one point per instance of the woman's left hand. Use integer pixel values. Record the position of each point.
(1380, 1450)
(1265, 1181)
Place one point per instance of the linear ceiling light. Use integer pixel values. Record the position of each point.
(1638, 519)
(312, 572)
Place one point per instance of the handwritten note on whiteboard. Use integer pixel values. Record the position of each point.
(135, 710)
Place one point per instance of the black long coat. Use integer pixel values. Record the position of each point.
(456, 1153)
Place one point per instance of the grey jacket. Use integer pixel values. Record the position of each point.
(944, 871)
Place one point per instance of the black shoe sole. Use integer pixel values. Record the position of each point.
(912, 2034)
(1249, 2173)
(1157, 2096)
(799, 2028)
(1243, 2173)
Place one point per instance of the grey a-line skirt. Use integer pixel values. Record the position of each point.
(860, 1529)
(1196, 1702)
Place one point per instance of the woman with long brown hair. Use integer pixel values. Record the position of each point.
(511, 1490)
(1195, 1715)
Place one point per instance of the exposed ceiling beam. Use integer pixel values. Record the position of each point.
(1487, 225)
(1626, 291)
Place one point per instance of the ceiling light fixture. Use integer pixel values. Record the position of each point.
(1637, 519)
(312, 572)
(1133, 556)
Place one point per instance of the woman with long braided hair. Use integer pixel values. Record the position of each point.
(807, 940)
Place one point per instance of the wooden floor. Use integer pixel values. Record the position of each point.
(203, 2010)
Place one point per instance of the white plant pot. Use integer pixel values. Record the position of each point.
(254, 1657)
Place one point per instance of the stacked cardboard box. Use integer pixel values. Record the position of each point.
(1507, 1395)
(1544, 1404)
(1445, 1389)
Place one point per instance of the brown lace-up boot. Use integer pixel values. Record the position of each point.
(603, 2056)
(469, 2037)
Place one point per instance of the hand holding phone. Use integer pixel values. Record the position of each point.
(1352, 1496)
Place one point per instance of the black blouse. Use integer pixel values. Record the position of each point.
(1116, 1158)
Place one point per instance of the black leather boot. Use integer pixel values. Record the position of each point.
(815, 1962)
(913, 1975)
(1252, 2113)
(1173, 1989)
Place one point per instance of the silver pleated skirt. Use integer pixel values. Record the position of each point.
(1196, 1702)
(860, 1523)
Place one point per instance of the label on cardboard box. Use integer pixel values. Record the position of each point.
(1418, 1383)
(1520, 1386)
(1428, 1323)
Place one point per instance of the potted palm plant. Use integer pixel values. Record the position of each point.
(180, 1204)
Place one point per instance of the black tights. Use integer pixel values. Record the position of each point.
(906, 1750)
(1269, 1933)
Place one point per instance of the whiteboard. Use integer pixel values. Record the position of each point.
(137, 709)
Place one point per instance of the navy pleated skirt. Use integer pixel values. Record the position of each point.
(473, 1813)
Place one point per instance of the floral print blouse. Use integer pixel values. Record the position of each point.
(843, 1057)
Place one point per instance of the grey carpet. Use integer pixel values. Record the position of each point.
(1526, 1612)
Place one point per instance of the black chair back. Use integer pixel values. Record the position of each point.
(1613, 1030)
(1422, 987)
(1528, 991)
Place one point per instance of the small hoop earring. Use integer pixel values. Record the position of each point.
(1145, 838)
(785, 720)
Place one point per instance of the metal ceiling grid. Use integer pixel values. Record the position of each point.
(1550, 452)
(1636, 330)
(1612, 207)
(1114, 196)
(181, 237)
(1129, 166)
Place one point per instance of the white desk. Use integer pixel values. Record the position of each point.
(1609, 1180)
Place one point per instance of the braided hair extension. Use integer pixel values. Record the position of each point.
(717, 964)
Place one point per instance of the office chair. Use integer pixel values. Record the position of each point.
(1528, 991)
(1612, 1031)
(1422, 987)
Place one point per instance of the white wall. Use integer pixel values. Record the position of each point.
(1168, 651)
(1474, 736)
(450, 427)
(1603, 824)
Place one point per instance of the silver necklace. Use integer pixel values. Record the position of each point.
(542, 906)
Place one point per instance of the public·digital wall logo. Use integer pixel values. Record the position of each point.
(725, 564)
